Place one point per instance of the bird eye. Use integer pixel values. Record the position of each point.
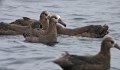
(112, 42)
(55, 17)
(45, 14)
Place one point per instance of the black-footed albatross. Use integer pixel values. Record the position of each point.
(100, 61)
(20, 25)
(93, 31)
(44, 36)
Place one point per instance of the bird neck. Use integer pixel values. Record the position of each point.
(105, 50)
(44, 23)
(52, 28)
(104, 55)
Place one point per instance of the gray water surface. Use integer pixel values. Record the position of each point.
(16, 54)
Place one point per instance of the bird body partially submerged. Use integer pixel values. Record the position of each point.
(48, 35)
(93, 31)
(100, 61)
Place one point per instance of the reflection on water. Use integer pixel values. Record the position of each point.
(16, 54)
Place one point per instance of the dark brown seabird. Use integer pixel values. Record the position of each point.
(19, 26)
(48, 35)
(100, 61)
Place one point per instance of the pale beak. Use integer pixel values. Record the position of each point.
(117, 46)
(48, 17)
(61, 22)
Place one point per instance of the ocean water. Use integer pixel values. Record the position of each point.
(16, 54)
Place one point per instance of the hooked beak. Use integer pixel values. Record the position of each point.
(48, 17)
(117, 46)
(61, 22)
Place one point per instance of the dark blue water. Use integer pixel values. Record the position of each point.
(15, 54)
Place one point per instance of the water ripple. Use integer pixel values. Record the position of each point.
(113, 68)
(78, 18)
(12, 7)
(96, 21)
(114, 23)
(32, 1)
(53, 6)
(31, 11)
(4, 68)
(27, 60)
(6, 50)
(82, 15)
(7, 59)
